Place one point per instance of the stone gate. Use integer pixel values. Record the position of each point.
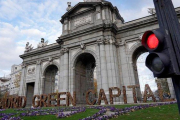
(95, 42)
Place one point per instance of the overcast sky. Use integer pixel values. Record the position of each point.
(31, 20)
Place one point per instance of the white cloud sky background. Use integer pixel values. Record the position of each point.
(145, 75)
(24, 21)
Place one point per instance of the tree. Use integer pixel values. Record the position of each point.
(164, 85)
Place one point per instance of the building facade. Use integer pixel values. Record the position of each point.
(95, 44)
(4, 85)
(11, 84)
(15, 79)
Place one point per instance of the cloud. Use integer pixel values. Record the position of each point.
(26, 21)
(33, 33)
(10, 9)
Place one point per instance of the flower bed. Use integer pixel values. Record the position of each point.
(101, 115)
(105, 112)
(63, 115)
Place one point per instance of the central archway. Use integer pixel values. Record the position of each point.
(85, 76)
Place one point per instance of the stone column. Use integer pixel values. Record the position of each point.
(111, 62)
(124, 69)
(22, 90)
(61, 73)
(114, 65)
(103, 66)
(42, 84)
(116, 57)
(108, 62)
(66, 70)
(38, 79)
(58, 80)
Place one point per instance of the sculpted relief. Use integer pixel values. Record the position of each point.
(83, 20)
(31, 73)
(31, 70)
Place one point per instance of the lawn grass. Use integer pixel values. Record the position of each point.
(166, 112)
(47, 117)
(88, 112)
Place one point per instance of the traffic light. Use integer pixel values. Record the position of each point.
(158, 61)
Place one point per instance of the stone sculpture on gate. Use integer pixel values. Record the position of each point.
(28, 47)
(42, 43)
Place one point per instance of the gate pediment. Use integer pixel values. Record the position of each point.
(81, 7)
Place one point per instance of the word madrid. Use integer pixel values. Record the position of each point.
(55, 99)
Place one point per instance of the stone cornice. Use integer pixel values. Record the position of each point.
(136, 25)
(44, 50)
(44, 59)
(101, 27)
(84, 11)
(119, 16)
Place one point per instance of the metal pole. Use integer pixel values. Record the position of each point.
(176, 84)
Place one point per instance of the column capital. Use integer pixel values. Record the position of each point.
(107, 41)
(111, 41)
(118, 44)
(100, 41)
(64, 50)
(43, 77)
(38, 62)
(23, 65)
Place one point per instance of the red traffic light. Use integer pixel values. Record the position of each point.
(152, 41)
(158, 61)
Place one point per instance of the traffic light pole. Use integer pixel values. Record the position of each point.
(176, 84)
(167, 19)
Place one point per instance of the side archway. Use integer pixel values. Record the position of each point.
(47, 65)
(50, 80)
(134, 53)
(142, 74)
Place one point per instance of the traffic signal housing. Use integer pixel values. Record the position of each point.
(159, 59)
